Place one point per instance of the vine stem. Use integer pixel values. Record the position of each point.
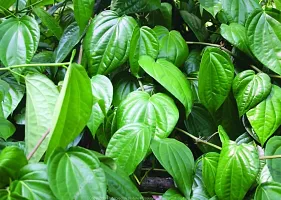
(38, 144)
(141, 85)
(35, 65)
(270, 157)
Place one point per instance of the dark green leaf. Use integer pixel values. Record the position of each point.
(83, 10)
(268, 191)
(7, 129)
(6, 3)
(178, 160)
(7, 195)
(215, 68)
(192, 62)
(161, 16)
(265, 118)
(211, 6)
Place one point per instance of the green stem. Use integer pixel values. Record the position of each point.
(38, 144)
(11, 14)
(141, 85)
(256, 69)
(198, 139)
(260, 71)
(35, 65)
(136, 178)
(270, 157)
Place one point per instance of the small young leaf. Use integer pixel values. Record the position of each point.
(7, 129)
(172, 193)
(268, 191)
(83, 10)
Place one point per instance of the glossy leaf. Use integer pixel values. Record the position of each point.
(178, 160)
(171, 78)
(6, 3)
(32, 183)
(273, 147)
(7, 195)
(244, 161)
(83, 10)
(102, 90)
(268, 191)
(265, 118)
(73, 107)
(19, 40)
(239, 10)
(129, 145)
(162, 16)
(250, 89)
(215, 78)
(265, 44)
(192, 62)
(172, 193)
(49, 21)
(7, 129)
(107, 42)
(132, 6)
(144, 42)
(76, 174)
(236, 34)
(211, 6)
(41, 97)
(209, 171)
(12, 159)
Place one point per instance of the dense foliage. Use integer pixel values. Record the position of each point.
(99, 96)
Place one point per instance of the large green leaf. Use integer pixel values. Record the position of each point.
(215, 78)
(212, 6)
(239, 10)
(32, 182)
(209, 171)
(132, 6)
(83, 10)
(19, 38)
(129, 145)
(266, 44)
(236, 34)
(76, 174)
(158, 112)
(171, 78)
(120, 185)
(173, 47)
(273, 147)
(12, 159)
(102, 90)
(50, 22)
(7, 129)
(178, 160)
(144, 42)
(41, 97)
(265, 118)
(6, 3)
(107, 42)
(249, 89)
(237, 170)
(73, 108)
(268, 191)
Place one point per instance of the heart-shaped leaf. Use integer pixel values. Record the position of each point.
(265, 118)
(178, 160)
(76, 174)
(107, 42)
(249, 89)
(215, 68)
(211, 6)
(129, 145)
(268, 191)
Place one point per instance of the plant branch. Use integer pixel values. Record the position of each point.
(141, 85)
(255, 68)
(38, 144)
(270, 157)
(35, 65)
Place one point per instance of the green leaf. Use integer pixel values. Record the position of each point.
(268, 191)
(178, 160)
(50, 22)
(83, 10)
(173, 47)
(265, 118)
(4, 88)
(161, 16)
(68, 40)
(129, 145)
(158, 112)
(211, 6)
(273, 147)
(19, 40)
(7, 129)
(12, 159)
(192, 62)
(120, 185)
(195, 24)
(250, 89)
(144, 42)
(102, 90)
(41, 97)
(239, 10)
(236, 34)
(133, 6)
(6, 3)
(161, 31)
(244, 161)
(39, 2)
(223, 135)
(107, 42)
(209, 171)
(7, 195)
(171, 78)
(73, 108)
(265, 44)
(76, 174)
(32, 182)
(172, 193)
(215, 68)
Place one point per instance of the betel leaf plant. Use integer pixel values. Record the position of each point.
(135, 99)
